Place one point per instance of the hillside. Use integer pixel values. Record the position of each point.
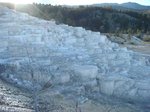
(99, 19)
(104, 20)
(125, 6)
(38, 55)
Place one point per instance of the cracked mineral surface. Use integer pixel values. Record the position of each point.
(80, 64)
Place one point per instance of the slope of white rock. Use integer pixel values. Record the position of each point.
(69, 56)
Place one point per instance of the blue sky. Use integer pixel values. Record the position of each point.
(77, 2)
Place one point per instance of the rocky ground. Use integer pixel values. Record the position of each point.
(13, 99)
(143, 48)
(129, 39)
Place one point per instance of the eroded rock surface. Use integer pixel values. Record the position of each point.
(35, 51)
(13, 99)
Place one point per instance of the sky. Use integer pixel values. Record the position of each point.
(76, 2)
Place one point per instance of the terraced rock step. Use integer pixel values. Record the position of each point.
(35, 53)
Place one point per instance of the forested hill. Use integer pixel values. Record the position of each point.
(124, 6)
(103, 19)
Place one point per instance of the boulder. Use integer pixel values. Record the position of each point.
(61, 78)
(107, 87)
(135, 40)
(86, 71)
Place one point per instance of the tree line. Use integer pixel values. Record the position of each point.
(103, 19)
